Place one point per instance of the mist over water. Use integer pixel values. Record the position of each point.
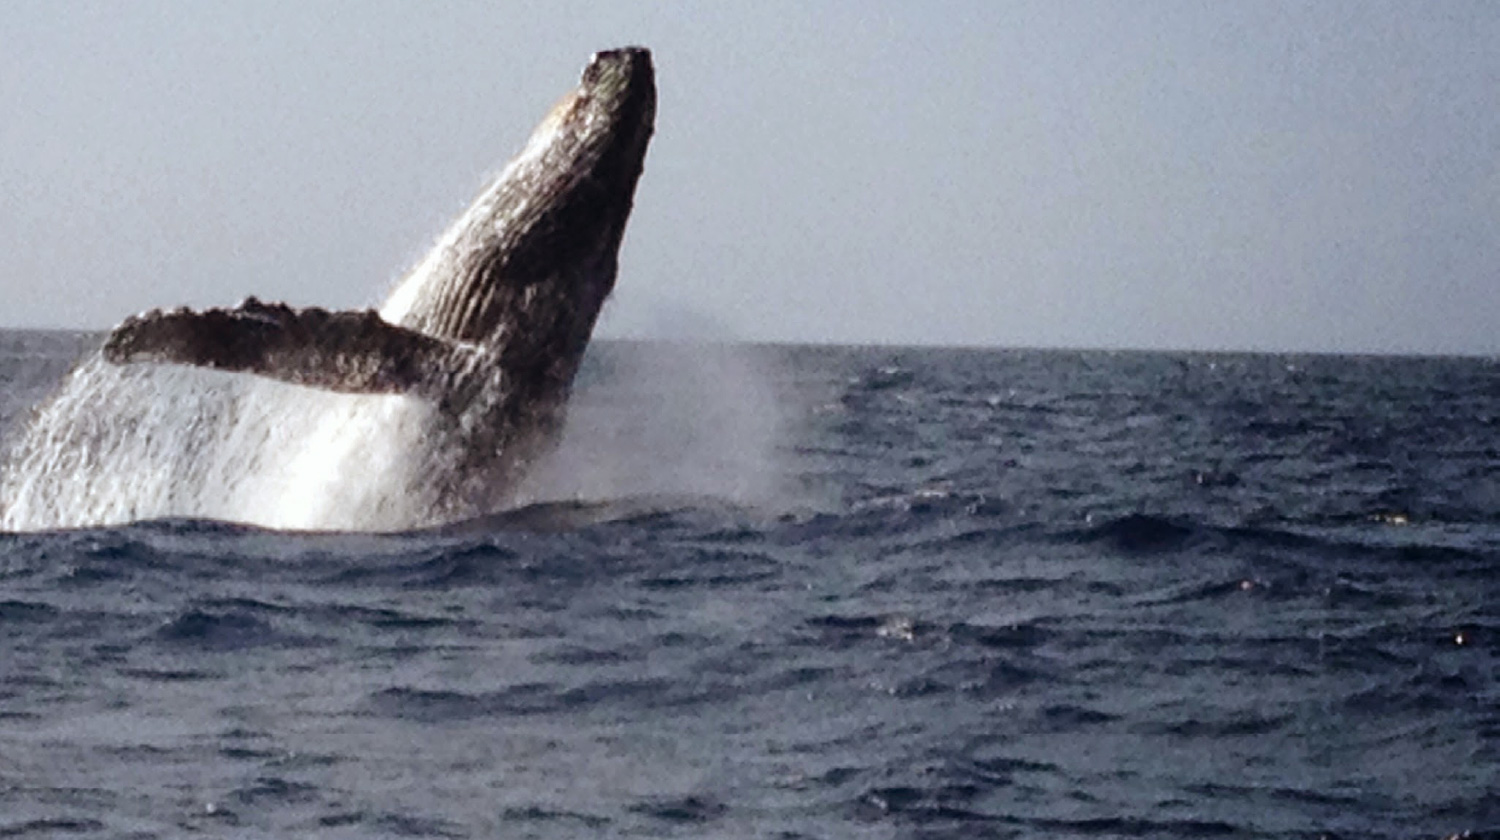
(699, 420)
(118, 444)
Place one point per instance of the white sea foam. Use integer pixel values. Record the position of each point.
(124, 443)
(118, 444)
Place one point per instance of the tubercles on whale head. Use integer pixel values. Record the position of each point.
(604, 91)
(614, 70)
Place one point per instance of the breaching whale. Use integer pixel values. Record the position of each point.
(489, 328)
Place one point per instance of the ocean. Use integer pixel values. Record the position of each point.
(809, 592)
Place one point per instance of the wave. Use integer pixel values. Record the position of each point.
(1370, 538)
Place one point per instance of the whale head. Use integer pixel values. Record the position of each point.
(527, 268)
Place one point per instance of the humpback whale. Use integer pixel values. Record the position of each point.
(488, 329)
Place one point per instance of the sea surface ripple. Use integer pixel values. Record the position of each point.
(995, 594)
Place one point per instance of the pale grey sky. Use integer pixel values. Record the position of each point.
(1303, 176)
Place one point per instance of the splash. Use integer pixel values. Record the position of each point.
(672, 419)
(119, 444)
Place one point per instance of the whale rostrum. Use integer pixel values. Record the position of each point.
(492, 323)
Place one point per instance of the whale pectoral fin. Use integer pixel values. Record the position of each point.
(349, 352)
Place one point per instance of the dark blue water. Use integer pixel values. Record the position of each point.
(1001, 594)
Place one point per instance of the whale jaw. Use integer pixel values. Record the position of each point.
(492, 324)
